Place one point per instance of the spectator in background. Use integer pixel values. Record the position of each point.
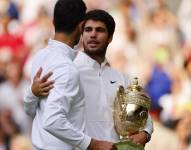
(187, 66)
(163, 138)
(9, 38)
(11, 95)
(184, 20)
(20, 142)
(5, 56)
(9, 128)
(160, 30)
(2, 139)
(159, 81)
(179, 96)
(184, 130)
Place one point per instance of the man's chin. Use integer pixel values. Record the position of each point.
(92, 51)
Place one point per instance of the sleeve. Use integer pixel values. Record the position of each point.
(30, 102)
(57, 112)
(149, 125)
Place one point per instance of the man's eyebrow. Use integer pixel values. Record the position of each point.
(87, 27)
(98, 27)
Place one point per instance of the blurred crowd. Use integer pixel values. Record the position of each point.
(152, 41)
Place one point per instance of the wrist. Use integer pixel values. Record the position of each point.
(148, 136)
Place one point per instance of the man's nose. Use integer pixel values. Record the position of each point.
(93, 34)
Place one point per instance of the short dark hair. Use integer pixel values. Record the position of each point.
(103, 16)
(68, 14)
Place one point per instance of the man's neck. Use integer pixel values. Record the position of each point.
(64, 38)
(97, 58)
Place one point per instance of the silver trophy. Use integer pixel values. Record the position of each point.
(130, 112)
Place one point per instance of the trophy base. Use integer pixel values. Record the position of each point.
(128, 145)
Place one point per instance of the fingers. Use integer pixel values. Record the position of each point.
(41, 86)
(45, 77)
(44, 94)
(47, 84)
(138, 138)
(38, 74)
(47, 88)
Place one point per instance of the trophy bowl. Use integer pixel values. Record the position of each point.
(130, 113)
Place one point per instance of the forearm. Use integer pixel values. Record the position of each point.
(64, 111)
(65, 131)
(66, 127)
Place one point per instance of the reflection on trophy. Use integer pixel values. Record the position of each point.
(130, 114)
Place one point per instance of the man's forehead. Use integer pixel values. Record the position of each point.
(95, 23)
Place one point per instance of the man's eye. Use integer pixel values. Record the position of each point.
(100, 30)
(87, 29)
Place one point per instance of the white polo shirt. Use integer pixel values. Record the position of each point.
(100, 83)
(59, 118)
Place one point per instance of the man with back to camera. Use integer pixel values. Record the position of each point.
(59, 118)
(98, 79)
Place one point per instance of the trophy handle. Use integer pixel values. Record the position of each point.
(120, 97)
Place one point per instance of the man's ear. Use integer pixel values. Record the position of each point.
(80, 26)
(110, 39)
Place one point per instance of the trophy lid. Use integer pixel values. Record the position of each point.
(136, 95)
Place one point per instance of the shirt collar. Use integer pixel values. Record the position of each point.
(88, 61)
(63, 48)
